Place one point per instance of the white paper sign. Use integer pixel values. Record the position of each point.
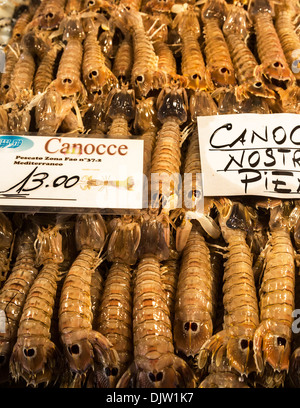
(250, 154)
(64, 172)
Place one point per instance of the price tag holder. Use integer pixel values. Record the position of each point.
(250, 154)
(68, 173)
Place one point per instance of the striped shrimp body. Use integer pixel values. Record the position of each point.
(121, 110)
(155, 364)
(45, 71)
(97, 286)
(68, 80)
(272, 339)
(157, 27)
(145, 63)
(123, 61)
(169, 275)
(218, 58)
(248, 73)
(290, 41)
(3, 119)
(82, 345)
(195, 207)
(20, 25)
(35, 358)
(97, 77)
(12, 54)
(146, 122)
(293, 378)
(196, 294)
(192, 65)
(115, 322)
(166, 65)
(172, 112)
(274, 65)
(22, 79)
(115, 314)
(195, 297)
(14, 291)
(235, 342)
(6, 241)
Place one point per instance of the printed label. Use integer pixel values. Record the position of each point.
(73, 172)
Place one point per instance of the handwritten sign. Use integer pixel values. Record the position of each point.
(71, 172)
(250, 154)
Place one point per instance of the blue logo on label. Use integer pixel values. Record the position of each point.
(18, 143)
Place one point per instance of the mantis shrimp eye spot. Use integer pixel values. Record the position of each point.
(67, 81)
(159, 376)
(93, 74)
(195, 76)
(107, 371)
(258, 84)
(139, 78)
(152, 377)
(74, 349)
(277, 64)
(281, 341)
(114, 371)
(245, 344)
(6, 86)
(2, 360)
(194, 327)
(224, 70)
(97, 92)
(29, 352)
(122, 78)
(190, 326)
(49, 16)
(91, 3)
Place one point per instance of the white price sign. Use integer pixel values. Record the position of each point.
(64, 172)
(250, 154)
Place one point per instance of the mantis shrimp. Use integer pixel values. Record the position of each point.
(82, 345)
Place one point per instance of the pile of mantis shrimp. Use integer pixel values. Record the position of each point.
(128, 301)
(161, 297)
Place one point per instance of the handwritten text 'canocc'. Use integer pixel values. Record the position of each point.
(250, 154)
